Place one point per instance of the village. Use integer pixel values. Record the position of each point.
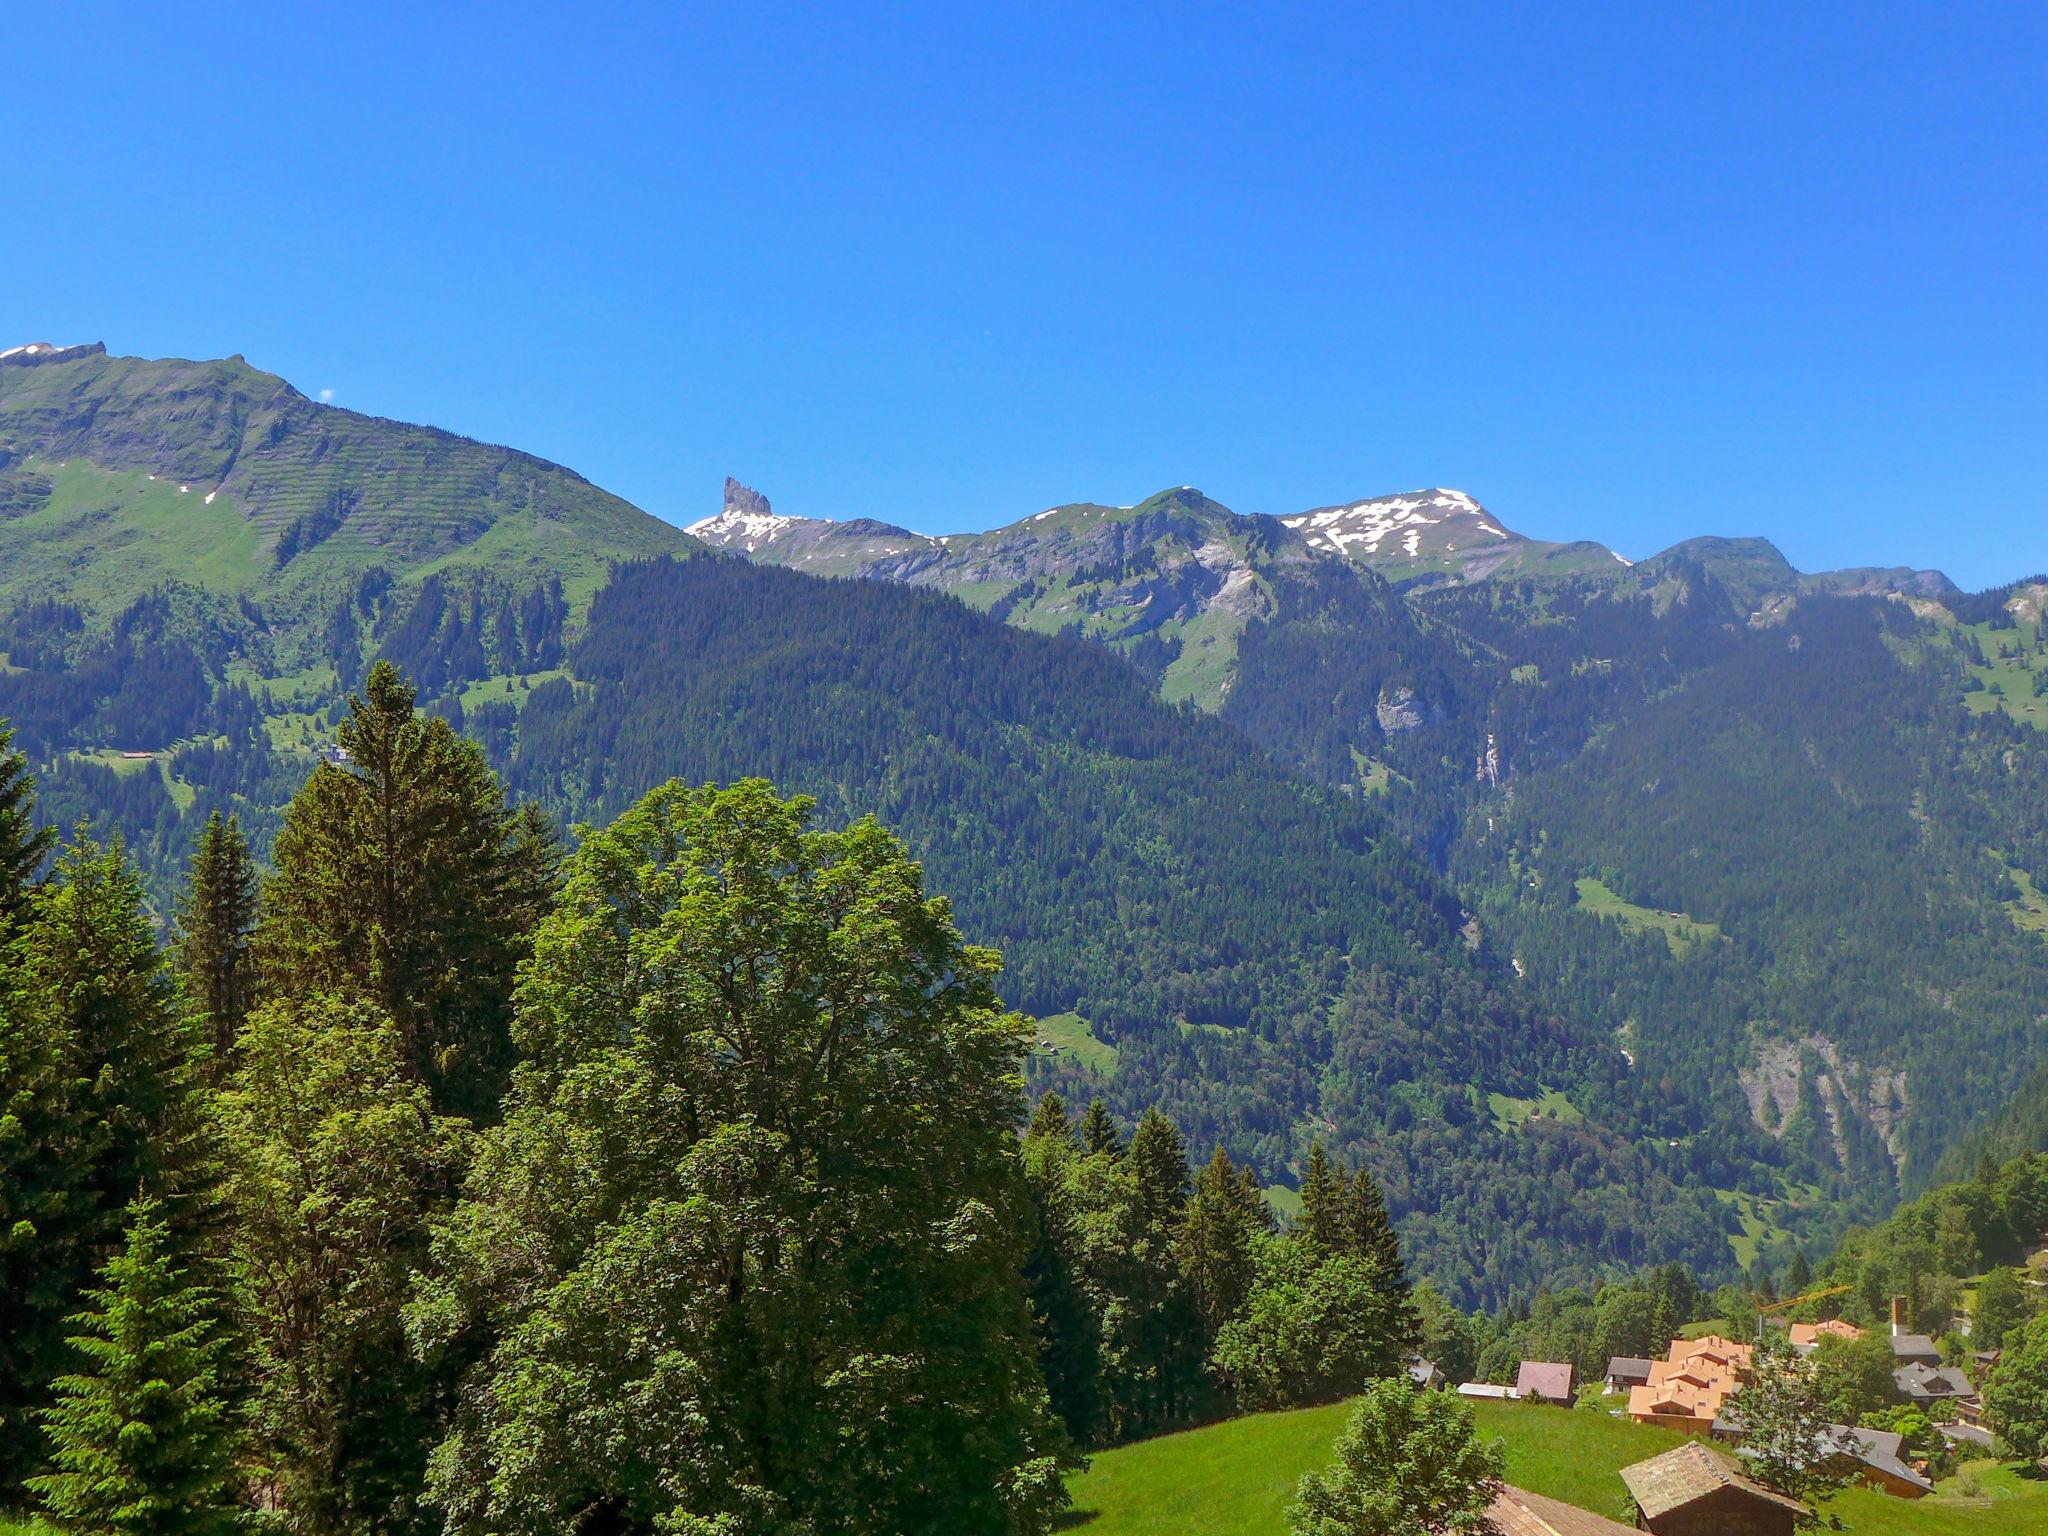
(1696, 1389)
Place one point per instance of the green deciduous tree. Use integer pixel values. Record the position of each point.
(142, 1435)
(1408, 1464)
(2002, 1306)
(336, 1159)
(1314, 1327)
(404, 877)
(2016, 1399)
(216, 923)
(1785, 1415)
(744, 1252)
(1853, 1376)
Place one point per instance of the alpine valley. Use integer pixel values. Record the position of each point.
(1614, 913)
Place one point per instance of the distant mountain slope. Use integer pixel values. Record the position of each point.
(1439, 535)
(1268, 960)
(137, 471)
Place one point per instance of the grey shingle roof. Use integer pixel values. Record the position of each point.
(1688, 1474)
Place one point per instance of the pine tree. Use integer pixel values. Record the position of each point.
(1099, 1132)
(1050, 1122)
(22, 846)
(46, 1210)
(1216, 1243)
(98, 1067)
(405, 878)
(1324, 1219)
(92, 970)
(216, 922)
(142, 1438)
(1371, 1230)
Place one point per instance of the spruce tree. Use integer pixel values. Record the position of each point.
(404, 878)
(216, 923)
(46, 1208)
(1049, 1120)
(1324, 1219)
(1099, 1132)
(97, 1066)
(1371, 1231)
(142, 1437)
(1216, 1243)
(23, 846)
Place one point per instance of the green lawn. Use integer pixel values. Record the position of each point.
(1075, 1037)
(1682, 933)
(2030, 912)
(1236, 1479)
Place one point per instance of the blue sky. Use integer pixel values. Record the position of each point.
(1628, 273)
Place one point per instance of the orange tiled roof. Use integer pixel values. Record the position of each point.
(1804, 1335)
(1699, 1376)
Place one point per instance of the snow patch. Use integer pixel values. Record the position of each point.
(1368, 524)
(751, 529)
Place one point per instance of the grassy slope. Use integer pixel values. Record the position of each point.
(413, 499)
(1075, 1037)
(1236, 1479)
(1682, 933)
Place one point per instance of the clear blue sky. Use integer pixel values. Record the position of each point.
(1625, 272)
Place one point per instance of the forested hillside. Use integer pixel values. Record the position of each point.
(1684, 910)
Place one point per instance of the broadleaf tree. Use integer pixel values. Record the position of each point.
(743, 1254)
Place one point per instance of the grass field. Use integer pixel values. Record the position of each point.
(1236, 1479)
(2030, 912)
(1511, 1112)
(1682, 933)
(1075, 1037)
(2013, 676)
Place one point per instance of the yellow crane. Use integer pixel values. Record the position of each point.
(1765, 1308)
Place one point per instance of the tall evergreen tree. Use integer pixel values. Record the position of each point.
(98, 1066)
(142, 1437)
(1050, 1120)
(1324, 1217)
(405, 878)
(1063, 1318)
(1216, 1244)
(23, 846)
(216, 923)
(1098, 1130)
(1372, 1230)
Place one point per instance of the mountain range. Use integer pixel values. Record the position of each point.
(1684, 908)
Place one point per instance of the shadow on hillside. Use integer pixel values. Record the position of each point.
(1074, 1519)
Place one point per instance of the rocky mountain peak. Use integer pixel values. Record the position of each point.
(745, 500)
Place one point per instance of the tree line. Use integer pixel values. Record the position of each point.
(444, 1180)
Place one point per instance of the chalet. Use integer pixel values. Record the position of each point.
(1806, 1337)
(1694, 1491)
(1424, 1375)
(1874, 1456)
(1688, 1390)
(1924, 1384)
(1517, 1512)
(1625, 1371)
(1546, 1381)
